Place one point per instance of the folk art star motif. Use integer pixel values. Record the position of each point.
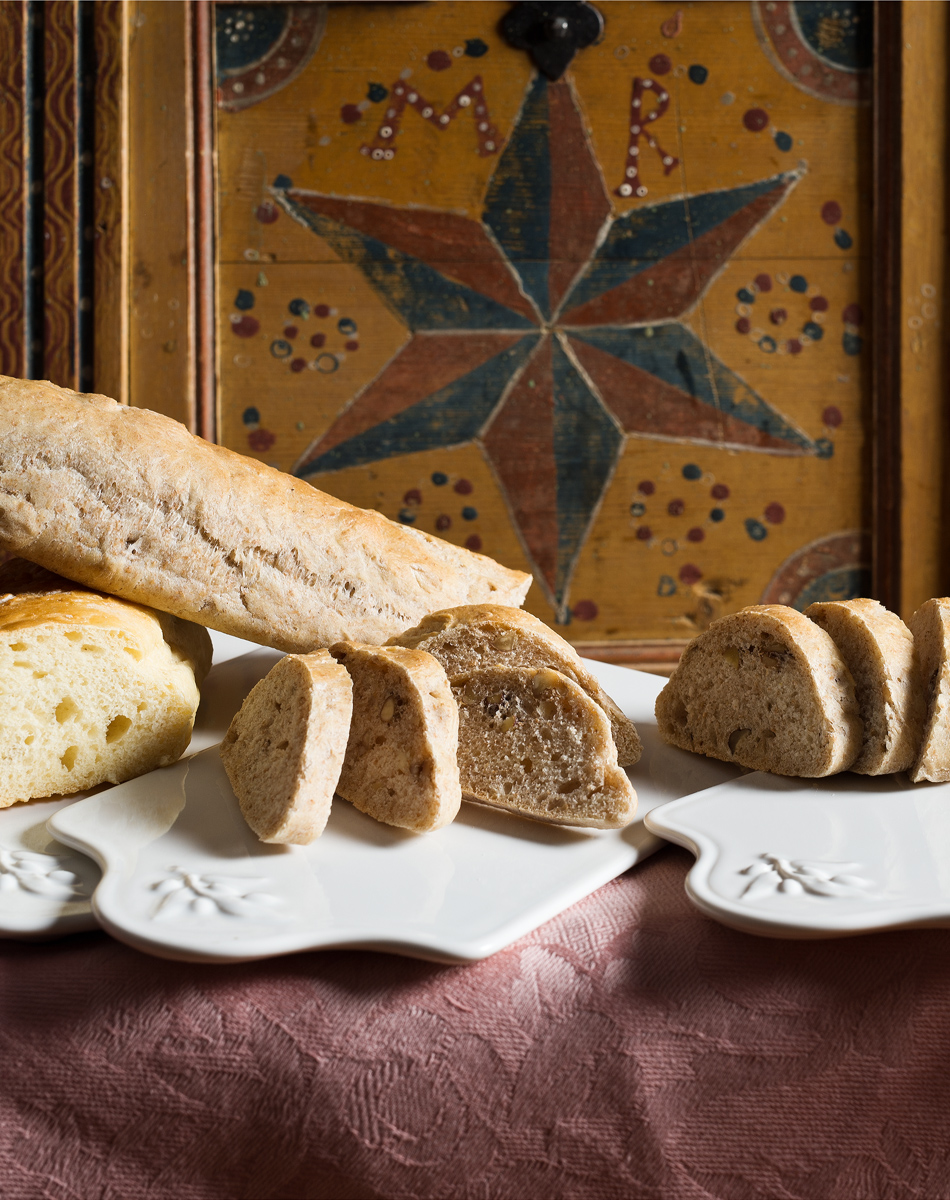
(548, 331)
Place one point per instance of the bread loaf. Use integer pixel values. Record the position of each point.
(284, 749)
(930, 626)
(401, 764)
(129, 502)
(534, 743)
(475, 636)
(879, 651)
(92, 689)
(765, 688)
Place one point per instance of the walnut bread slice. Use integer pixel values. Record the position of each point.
(879, 650)
(765, 688)
(930, 626)
(532, 742)
(474, 636)
(284, 749)
(401, 764)
(92, 689)
(129, 502)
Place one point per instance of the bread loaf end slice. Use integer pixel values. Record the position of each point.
(474, 636)
(765, 688)
(284, 749)
(401, 764)
(930, 626)
(879, 650)
(532, 742)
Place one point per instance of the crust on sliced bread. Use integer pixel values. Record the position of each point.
(401, 764)
(930, 626)
(284, 750)
(474, 636)
(765, 688)
(532, 741)
(879, 650)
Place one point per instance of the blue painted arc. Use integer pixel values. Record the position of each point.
(452, 415)
(518, 201)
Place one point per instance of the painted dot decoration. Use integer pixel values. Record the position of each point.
(696, 534)
(763, 282)
(475, 47)
(783, 141)
(719, 491)
(413, 496)
(469, 513)
(350, 114)
(692, 471)
(689, 574)
(798, 283)
(666, 586)
(843, 239)
(755, 529)
(697, 73)
(794, 346)
(660, 64)
(818, 304)
(346, 326)
(646, 487)
(318, 340)
(585, 610)
(351, 346)
(716, 515)
(755, 119)
(245, 327)
(283, 182)
(832, 416)
(743, 325)
(438, 60)
(463, 487)
(280, 348)
(407, 516)
(326, 364)
(676, 508)
(473, 542)
(824, 448)
(261, 440)
(778, 316)
(774, 514)
(251, 416)
(813, 330)
(442, 522)
(644, 533)
(267, 213)
(768, 344)
(852, 314)
(745, 296)
(377, 92)
(290, 332)
(831, 212)
(299, 308)
(321, 310)
(851, 343)
(244, 300)
(439, 478)
(298, 364)
(637, 509)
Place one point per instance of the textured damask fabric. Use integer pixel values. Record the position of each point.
(631, 1048)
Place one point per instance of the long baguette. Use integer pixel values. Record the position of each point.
(129, 502)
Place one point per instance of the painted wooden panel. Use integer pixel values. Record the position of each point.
(14, 188)
(624, 352)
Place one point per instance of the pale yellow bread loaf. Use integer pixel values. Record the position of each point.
(879, 651)
(765, 688)
(475, 636)
(401, 764)
(532, 742)
(128, 501)
(284, 750)
(92, 690)
(930, 626)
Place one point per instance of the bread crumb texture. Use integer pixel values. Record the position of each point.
(765, 688)
(930, 626)
(92, 690)
(532, 742)
(475, 636)
(401, 764)
(284, 749)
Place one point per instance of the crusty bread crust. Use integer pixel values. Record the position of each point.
(475, 636)
(765, 688)
(879, 650)
(131, 503)
(930, 626)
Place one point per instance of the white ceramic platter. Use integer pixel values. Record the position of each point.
(46, 888)
(816, 858)
(184, 877)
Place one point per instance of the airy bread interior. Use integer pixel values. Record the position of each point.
(532, 741)
(930, 626)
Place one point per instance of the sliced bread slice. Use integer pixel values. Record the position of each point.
(765, 688)
(930, 626)
(401, 764)
(284, 750)
(532, 741)
(475, 636)
(879, 650)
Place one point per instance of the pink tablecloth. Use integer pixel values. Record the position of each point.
(631, 1048)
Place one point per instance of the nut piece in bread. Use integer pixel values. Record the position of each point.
(532, 742)
(401, 764)
(879, 650)
(475, 636)
(128, 501)
(284, 750)
(92, 689)
(765, 688)
(930, 626)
